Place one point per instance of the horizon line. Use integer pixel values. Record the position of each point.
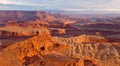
(109, 10)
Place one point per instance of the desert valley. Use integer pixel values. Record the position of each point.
(43, 38)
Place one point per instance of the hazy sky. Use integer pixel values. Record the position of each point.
(113, 5)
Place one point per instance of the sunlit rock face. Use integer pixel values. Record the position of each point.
(45, 50)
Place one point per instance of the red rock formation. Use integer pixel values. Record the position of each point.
(45, 50)
(61, 31)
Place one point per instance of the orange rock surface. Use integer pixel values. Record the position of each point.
(45, 50)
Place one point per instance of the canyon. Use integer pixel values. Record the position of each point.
(31, 38)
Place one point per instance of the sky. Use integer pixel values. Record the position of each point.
(68, 5)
